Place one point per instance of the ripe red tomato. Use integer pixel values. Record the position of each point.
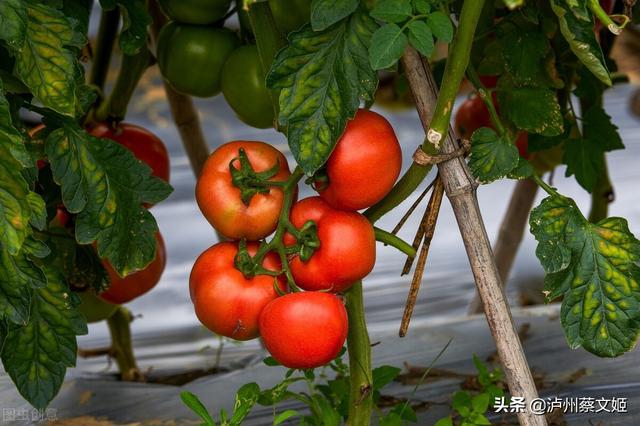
(489, 81)
(364, 164)
(523, 144)
(146, 146)
(220, 201)
(472, 115)
(347, 250)
(123, 290)
(226, 302)
(304, 330)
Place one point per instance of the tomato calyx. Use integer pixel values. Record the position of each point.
(308, 241)
(250, 266)
(248, 180)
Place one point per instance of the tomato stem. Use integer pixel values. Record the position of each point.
(486, 97)
(122, 349)
(107, 34)
(387, 238)
(601, 14)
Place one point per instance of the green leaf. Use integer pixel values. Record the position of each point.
(15, 210)
(441, 26)
(584, 159)
(330, 417)
(323, 75)
(104, 183)
(135, 20)
(422, 6)
(492, 157)
(246, 398)
(524, 52)
(597, 126)
(277, 393)
(17, 276)
(513, 4)
(387, 46)
(45, 63)
(582, 40)
(284, 416)
(445, 421)
(462, 403)
(599, 280)
(480, 403)
(535, 110)
(270, 361)
(325, 13)
(523, 170)
(10, 137)
(35, 247)
(13, 22)
(37, 355)
(192, 401)
(384, 375)
(38, 211)
(392, 11)
(420, 37)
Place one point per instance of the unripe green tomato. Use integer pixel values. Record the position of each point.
(290, 15)
(94, 308)
(198, 12)
(191, 57)
(244, 88)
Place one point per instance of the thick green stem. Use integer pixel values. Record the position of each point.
(359, 347)
(114, 108)
(107, 34)
(601, 14)
(121, 347)
(387, 238)
(269, 40)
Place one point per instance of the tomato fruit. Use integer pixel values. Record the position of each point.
(197, 12)
(146, 146)
(244, 88)
(191, 57)
(220, 200)
(472, 115)
(226, 302)
(347, 251)
(123, 290)
(290, 15)
(489, 81)
(304, 330)
(93, 307)
(364, 165)
(522, 143)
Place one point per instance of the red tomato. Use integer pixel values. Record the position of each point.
(304, 330)
(146, 146)
(219, 199)
(364, 164)
(347, 250)
(523, 144)
(472, 115)
(123, 290)
(489, 81)
(226, 302)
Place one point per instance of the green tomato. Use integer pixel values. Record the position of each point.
(94, 308)
(191, 57)
(198, 12)
(244, 88)
(290, 15)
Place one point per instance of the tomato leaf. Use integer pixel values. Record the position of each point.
(441, 26)
(387, 46)
(15, 210)
(47, 63)
(595, 268)
(524, 52)
(246, 398)
(535, 110)
(13, 22)
(581, 38)
(192, 401)
(597, 126)
(492, 157)
(523, 170)
(17, 276)
(106, 185)
(135, 20)
(37, 355)
(384, 375)
(584, 159)
(10, 137)
(422, 6)
(323, 75)
(392, 11)
(38, 211)
(284, 416)
(325, 13)
(420, 37)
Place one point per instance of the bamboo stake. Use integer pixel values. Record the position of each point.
(460, 188)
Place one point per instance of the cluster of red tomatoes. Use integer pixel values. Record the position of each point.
(147, 148)
(199, 57)
(328, 245)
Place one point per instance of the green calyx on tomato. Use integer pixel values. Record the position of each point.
(220, 200)
(244, 88)
(191, 57)
(196, 12)
(248, 180)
